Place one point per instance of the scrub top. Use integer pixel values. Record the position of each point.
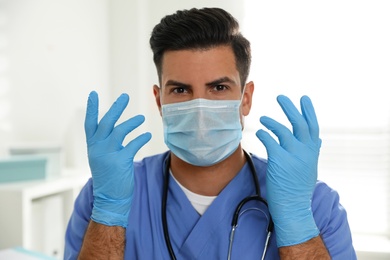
(207, 236)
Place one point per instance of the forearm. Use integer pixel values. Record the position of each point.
(103, 242)
(312, 249)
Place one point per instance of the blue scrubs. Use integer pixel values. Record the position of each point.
(206, 237)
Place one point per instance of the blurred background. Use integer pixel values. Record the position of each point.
(54, 52)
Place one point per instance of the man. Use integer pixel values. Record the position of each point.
(181, 204)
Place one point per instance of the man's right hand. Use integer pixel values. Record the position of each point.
(111, 163)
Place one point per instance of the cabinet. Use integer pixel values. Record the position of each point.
(34, 214)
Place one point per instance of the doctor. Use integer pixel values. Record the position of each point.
(180, 204)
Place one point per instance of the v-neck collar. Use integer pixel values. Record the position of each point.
(189, 231)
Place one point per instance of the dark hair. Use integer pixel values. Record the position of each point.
(200, 29)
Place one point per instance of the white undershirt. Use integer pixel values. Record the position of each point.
(199, 202)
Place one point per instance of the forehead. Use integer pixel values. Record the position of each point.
(187, 65)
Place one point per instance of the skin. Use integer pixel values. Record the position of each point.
(187, 75)
(103, 242)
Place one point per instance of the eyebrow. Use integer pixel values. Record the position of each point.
(176, 84)
(212, 83)
(220, 80)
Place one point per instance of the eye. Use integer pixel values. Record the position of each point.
(220, 87)
(179, 90)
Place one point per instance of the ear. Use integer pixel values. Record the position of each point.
(246, 103)
(156, 92)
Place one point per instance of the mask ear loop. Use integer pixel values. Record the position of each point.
(242, 93)
(242, 117)
(241, 99)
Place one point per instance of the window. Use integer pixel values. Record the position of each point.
(337, 53)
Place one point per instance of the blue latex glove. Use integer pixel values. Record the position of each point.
(111, 163)
(292, 171)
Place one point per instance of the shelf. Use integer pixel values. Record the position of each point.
(35, 213)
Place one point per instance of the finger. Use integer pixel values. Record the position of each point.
(270, 144)
(309, 114)
(283, 133)
(120, 132)
(91, 117)
(298, 122)
(133, 147)
(107, 123)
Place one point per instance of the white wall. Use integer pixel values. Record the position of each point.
(56, 53)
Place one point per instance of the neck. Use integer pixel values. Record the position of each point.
(210, 180)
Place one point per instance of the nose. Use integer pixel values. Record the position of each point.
(200, 92)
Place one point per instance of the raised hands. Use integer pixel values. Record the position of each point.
(292, 171)
(111, 163)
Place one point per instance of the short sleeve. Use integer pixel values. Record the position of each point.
(331, 220)
(78, 222)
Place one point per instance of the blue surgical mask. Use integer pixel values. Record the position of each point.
(202, 132)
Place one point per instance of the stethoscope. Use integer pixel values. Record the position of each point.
(236, 214)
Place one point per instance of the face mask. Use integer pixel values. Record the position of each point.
(202, 132)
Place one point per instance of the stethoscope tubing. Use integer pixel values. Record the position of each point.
(164, 209)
